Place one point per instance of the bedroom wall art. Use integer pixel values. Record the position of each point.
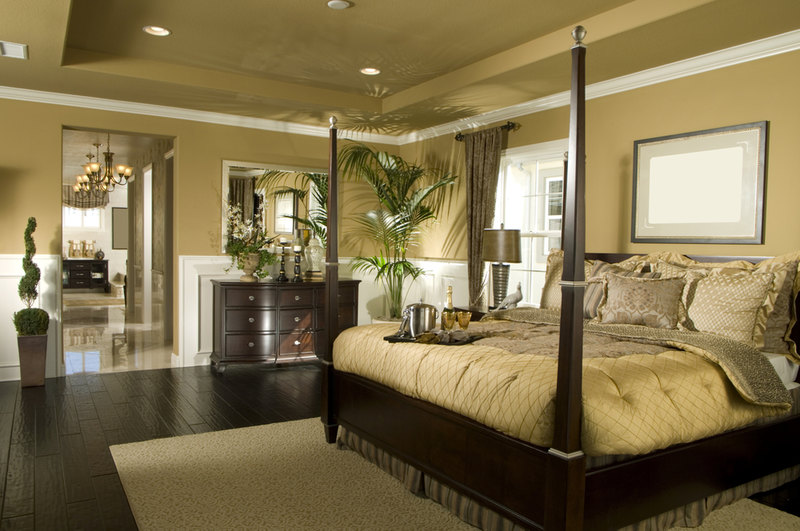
(700, 187)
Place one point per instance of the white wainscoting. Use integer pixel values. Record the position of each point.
(196, 297)
(49, 299)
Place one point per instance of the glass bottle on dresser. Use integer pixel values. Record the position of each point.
(448, 313)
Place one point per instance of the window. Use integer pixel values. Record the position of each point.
(82, 218)
(529, 198)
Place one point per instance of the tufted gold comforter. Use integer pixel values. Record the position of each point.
(643, 388)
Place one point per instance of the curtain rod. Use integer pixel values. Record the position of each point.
(508, 126)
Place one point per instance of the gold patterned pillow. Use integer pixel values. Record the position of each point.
(551, 292)
(727, 304)
(594, 286)
(652, 302)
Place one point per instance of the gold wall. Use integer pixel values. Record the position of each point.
(30, 160)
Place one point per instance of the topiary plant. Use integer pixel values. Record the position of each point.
(30, 321)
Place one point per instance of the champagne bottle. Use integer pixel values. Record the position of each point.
(448, 313)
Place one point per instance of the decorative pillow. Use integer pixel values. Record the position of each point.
(594, 288)
(652, 302)
(779, 306)
(727, 304)
(551, 292)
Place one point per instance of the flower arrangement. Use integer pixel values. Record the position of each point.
(246, 240)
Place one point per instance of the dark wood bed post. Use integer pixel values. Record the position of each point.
(331, 292)
(566, 466)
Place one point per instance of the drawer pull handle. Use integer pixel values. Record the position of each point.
(251, 344)
(296, 319)
(297, 297)
(251, 298)
(297, 342)
(251, 319)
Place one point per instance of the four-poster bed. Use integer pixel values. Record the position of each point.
(543, 486)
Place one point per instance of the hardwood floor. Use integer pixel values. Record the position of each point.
(54, 440)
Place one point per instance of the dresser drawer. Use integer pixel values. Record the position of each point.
(297, 297)
(296, 343)
(81, 274)
(80, 283)
(297, 319)
(347, 317)
(80, 266)
(249, 345)
(249, 320)
(249, 297)
(347, 295)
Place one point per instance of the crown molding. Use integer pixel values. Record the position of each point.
(743, 53)
(760, 49)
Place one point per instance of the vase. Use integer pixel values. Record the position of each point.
(315, 254)
(249, 267)
(32, 358)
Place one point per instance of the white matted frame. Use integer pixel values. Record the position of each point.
(700, 187)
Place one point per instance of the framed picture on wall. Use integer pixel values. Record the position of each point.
(700, 187)
(119, 228)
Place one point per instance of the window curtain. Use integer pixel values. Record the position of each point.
(240, 192)
(482, 150)
(73, 199)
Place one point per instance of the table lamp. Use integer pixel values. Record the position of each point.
(499, 246)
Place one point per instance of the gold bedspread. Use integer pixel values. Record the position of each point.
(673, 387)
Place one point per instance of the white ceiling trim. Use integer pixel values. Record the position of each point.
(778, 44)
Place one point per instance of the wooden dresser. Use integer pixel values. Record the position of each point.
(85, 273)
(275, 322)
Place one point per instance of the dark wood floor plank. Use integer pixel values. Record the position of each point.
(114, 388)
(75, 464)
(84, 405)
(19, 493)
(96, 444)
(6, 420)
(8, 396)
(67, 415)
(84, 515)
(50, 507)
(106, 413)
(114, 509)
(46, 431)
(20, 523)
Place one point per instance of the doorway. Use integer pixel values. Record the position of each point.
(116, 243)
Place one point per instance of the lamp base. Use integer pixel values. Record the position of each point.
(500, 273)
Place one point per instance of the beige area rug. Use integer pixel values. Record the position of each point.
(284, 476)
(94, 302)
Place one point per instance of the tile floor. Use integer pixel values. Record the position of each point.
(98, 339)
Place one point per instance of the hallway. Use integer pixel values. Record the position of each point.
(97, 338)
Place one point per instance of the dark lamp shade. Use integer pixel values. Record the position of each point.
(501, 245)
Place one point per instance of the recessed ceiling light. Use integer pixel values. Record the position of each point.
(370, 71)
(158, 31)
(339, 4)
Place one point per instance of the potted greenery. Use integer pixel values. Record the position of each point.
(409, 197)
(248, 244)
(31, 323)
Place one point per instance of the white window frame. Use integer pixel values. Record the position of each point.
(83, 215)
(530, 273)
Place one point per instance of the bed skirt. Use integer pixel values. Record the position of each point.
(475, 514)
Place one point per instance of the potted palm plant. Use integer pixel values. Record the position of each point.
(409, 197)
(31, 323)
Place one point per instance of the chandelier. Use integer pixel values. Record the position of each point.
(99, 178)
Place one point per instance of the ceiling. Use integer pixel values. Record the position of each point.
(298, 61)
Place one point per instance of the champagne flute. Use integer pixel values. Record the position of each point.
(448, 320)
(463, 319)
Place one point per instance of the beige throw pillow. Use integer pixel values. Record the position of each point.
(594, 287)
(728, 304)
(551, 292)
(641, 301)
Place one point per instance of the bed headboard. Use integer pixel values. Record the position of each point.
(618, 257)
